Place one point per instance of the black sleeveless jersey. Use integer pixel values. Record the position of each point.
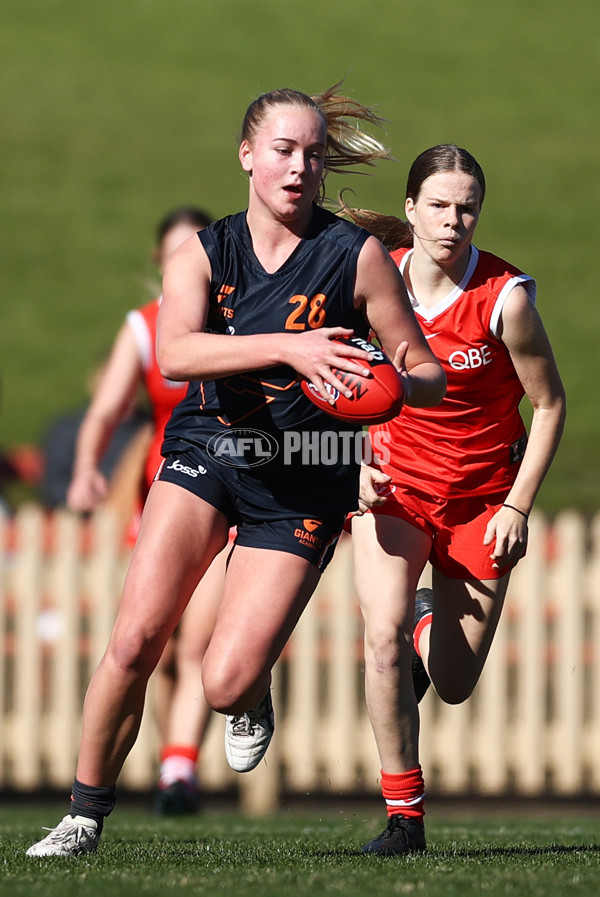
(313, 288)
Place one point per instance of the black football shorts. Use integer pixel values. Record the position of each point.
(294, 519)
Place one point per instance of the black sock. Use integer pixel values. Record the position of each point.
(94, 802)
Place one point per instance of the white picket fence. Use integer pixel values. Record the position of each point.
(532, 726)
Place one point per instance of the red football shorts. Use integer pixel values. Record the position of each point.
(455, 526)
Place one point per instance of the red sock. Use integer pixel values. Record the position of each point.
(178, 764)
(423, 622)
(404, 793)
(179, 750)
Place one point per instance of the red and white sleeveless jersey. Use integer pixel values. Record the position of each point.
(472, 441)
(163, 394)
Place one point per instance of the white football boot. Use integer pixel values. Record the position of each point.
(247, 736)
(72, 836)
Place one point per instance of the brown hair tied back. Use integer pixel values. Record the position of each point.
(395, 233)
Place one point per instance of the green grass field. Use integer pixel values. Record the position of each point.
(113, 113)
(297, 853)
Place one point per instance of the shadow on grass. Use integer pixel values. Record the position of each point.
(547, 850)
(464, 853)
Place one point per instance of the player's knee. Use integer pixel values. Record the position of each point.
(385, 648)
(452, 691)
(224, 690)
(134, 653)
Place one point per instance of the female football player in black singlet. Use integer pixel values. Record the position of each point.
(250, 308)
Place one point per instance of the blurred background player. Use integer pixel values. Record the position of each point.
(119, 471)
(182, 711)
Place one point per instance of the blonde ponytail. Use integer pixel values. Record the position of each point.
(347, 144)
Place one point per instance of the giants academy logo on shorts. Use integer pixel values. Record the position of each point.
(306, 533)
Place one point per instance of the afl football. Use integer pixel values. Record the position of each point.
(374, 399)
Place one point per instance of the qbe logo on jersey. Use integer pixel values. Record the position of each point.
(242, 447)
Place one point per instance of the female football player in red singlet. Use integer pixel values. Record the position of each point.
(182, 711)
(250, 306)
(460, 480)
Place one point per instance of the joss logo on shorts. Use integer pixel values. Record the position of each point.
(188, 471)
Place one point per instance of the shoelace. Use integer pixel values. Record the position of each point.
(244, 724)
(58, 835)
(397, 824)
(241, 725)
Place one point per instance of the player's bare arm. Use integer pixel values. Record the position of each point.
(186, 352)
(525, 337)
(531, 353)
(380, 291)
(113, 396)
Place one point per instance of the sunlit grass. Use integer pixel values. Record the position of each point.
(302, 853)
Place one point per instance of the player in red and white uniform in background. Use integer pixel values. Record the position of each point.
(163, 394)
(182, 711)
(459, 479)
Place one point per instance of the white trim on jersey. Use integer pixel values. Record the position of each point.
(429, 314)
(523, 279)
(142, 337)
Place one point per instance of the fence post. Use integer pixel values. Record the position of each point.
(491, 733)
(341, 697)
(104, 572)
(528, 594)
(62, 637)
(591, 746)
(300, 735)
(5, 560)
(24, 733)
(568, 598)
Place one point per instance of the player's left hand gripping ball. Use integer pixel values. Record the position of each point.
(374, 399)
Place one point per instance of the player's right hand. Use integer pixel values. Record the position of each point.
(86, 490)
(373, 489)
